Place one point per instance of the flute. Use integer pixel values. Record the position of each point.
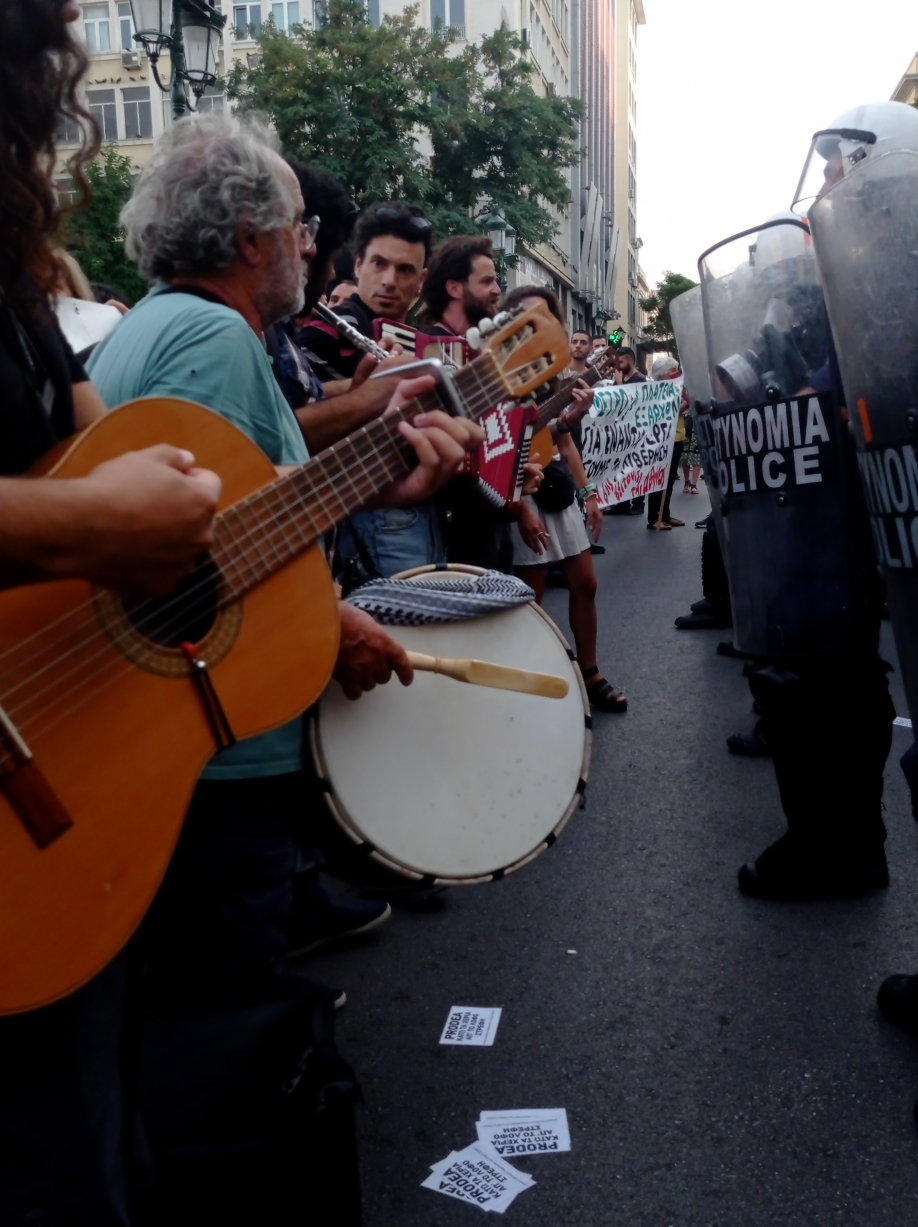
(350, 333)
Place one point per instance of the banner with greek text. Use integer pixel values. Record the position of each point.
(628, 438)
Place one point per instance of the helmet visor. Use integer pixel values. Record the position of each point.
(833, 153)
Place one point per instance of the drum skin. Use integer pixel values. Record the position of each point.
(454, 782)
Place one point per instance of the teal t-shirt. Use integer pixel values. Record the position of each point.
(175, 344)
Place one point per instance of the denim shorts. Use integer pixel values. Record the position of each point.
(396, 538)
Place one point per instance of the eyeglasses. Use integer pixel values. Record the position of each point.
(310, 228)
(388, 214)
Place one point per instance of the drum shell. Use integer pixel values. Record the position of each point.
(452, 783)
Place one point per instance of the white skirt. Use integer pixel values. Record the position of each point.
(567, 537)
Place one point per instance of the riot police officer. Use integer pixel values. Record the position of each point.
(804, 590)
(859, 188)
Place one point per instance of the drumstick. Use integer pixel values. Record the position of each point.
(484, 673)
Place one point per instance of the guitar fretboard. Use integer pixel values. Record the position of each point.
(265, 531)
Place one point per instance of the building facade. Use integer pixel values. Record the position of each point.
(907, 89)
(586, 49)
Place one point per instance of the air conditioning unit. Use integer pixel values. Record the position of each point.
(130, 59)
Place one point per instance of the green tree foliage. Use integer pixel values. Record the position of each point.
(660, 325)
(368, 104)
(94, 235)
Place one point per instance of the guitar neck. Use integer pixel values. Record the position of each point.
(264, 532)
(557, 403)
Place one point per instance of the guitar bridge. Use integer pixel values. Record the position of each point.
(27, 789)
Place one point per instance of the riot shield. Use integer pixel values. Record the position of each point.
(688, 327)
(865, 232)
(786, 528)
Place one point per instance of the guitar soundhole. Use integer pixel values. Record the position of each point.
(186, 615)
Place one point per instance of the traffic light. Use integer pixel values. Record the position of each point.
(616, 336)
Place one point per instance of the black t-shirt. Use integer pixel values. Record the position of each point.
(37, 372)
(331, 356)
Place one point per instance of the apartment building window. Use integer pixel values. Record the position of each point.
(632, 185)
(373, 14)
(138, 113)
(102, 109)
(319, 13)
(632, 311)
(126, 26)
(68, 132)
(632, 228)
(246, 20)
(67, 193)
(450, 14)
(286, 14)
(97, 27)
(211, 103)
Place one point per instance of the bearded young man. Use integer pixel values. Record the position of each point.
(461, 290)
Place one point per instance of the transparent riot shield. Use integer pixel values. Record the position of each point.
(688, 326)
(865, 232)
(786, 530)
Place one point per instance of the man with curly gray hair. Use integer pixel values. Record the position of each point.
(216, 221)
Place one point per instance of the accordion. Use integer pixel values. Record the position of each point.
(497, 465)
(451, 351)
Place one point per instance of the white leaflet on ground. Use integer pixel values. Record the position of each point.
(471, 1025)
(519, 1134)
(902, 722)
(478, 1175)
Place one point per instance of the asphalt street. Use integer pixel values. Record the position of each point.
(721, 1060)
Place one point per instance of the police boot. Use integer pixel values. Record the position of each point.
(791, 872)
(897, 1000)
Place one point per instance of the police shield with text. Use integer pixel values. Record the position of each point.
(804, 591)
(865, 232)
(713, 610)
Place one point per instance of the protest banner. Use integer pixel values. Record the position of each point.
(628, 438)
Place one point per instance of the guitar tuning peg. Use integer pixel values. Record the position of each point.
(485, 326)
(473, 338)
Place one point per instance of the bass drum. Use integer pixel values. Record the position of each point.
(452, 783)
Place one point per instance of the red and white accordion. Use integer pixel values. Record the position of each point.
(497, 465)
(451, 351)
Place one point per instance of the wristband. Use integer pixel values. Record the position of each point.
(561, 427)
(587, 490)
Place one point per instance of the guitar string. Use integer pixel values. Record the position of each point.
(316, 491)
(288, 509)
(184, 611)
(477, 411)
(472, 401)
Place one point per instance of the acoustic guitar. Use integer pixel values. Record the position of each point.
(542, 446)
(110, 706)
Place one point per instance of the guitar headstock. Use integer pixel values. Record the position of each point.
(526, 350)
(604, 359)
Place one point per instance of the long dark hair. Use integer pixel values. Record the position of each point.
(41, 63)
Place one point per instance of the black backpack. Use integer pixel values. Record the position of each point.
(249, 1112)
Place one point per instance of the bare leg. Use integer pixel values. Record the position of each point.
(535, 578)
(580, 577)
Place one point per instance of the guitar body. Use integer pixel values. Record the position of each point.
(117, 726)
(542, 447)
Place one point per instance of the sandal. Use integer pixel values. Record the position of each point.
(602, 694)
(659, 528)
(694, 489)
(687, 488)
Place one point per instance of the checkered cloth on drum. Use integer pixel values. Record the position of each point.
(435, 598)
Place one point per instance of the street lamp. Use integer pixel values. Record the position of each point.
(503, 240)
(190, 31)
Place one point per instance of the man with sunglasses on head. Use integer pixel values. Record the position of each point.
(392, 247)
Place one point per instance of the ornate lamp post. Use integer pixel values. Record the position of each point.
(190, 31)
(503, 240)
